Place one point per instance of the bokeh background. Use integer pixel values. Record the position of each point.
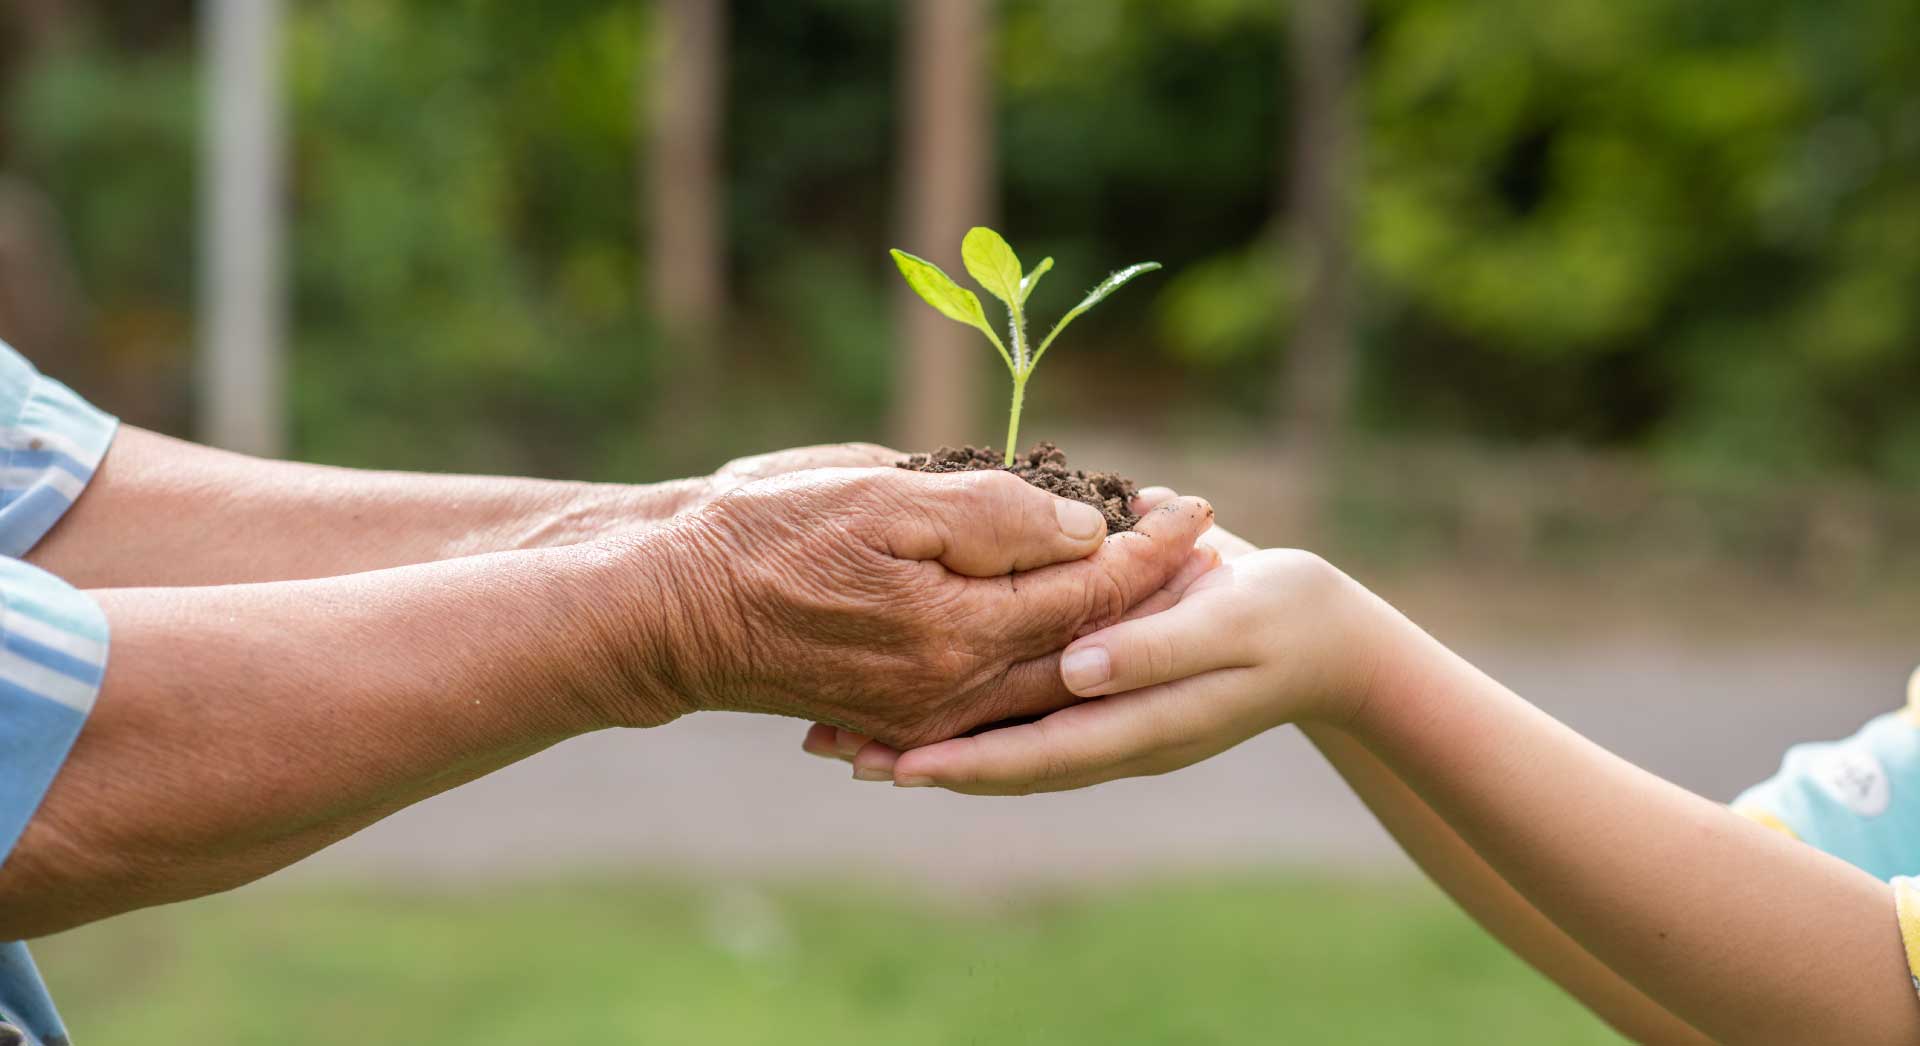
(1587, 331)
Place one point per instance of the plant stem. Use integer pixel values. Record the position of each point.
(1013, 420)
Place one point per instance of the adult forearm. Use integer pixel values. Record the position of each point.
(1495, 905)
(160, 511)
(1744, 934)
(241, 728)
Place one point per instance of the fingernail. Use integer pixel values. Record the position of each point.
(1078, 520)
(1085, 668)
(871, 773)
(846, 743)
(1155, 496)
(913, 782)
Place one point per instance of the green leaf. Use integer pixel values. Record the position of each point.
(1030, 280)
(952, 300)
(992, 264)
(1094, 297)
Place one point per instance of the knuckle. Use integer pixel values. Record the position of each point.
(1055, 767)
(994, 482)
(950, 665)
(1301, 576)
(871, 484)
(1107, 597)
(1053, 763)
(1160, 657)
(1002, 494)
(733, 507)
(1301, 565)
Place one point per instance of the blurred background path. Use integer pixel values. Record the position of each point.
(734, 794)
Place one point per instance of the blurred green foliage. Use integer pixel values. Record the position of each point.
(1694, 228)
(1688, 230)
(464, 264)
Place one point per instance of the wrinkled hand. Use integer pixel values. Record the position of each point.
(741, 471)
(592, 511)
(905, 606)
(1215, 545)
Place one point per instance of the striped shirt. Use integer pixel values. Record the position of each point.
(53, 638)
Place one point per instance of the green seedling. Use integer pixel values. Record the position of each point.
(994, 266)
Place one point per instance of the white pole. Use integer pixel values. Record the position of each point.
(242, 371)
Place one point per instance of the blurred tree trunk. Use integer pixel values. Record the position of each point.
(684, 190)
(946, 187)
(40, 309)
(41, 23)
(242, 397)
(1316, 381)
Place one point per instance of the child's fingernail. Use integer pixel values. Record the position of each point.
(913, 782)
(871, 773)
(1078, 520)
(1085, 668)
(847, 743)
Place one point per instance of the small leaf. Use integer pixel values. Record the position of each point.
(1113, 283)
(1030, 280)
(1094, 297)
(927, 280)
(952, 300)
(992, 264)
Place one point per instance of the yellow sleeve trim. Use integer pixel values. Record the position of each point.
(1764, 817)
(1906, 906)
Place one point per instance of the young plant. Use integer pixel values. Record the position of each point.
(994, 266)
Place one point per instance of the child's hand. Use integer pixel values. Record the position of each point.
(1272, 637)
(1266, 638)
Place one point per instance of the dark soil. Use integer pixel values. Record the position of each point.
(1045, 467)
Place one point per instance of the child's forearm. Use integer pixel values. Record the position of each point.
(1494, 904)
(1738, 931)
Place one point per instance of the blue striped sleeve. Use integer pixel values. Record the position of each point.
(51, 440)
(53, 639)
(53, 655)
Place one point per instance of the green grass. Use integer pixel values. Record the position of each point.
(1248, 960)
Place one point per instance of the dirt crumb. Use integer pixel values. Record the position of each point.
(1045, 467)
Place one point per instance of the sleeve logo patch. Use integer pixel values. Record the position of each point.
(1855, 780)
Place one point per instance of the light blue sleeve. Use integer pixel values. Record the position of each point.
(50, 442)
(53, 638)
(1857, 798)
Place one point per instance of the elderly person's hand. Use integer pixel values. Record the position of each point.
(906, 606)
(741, 471)
(876, 761)
(241, 726)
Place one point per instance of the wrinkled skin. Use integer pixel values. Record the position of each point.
(741, 471)
(877, 761)
(906, 606)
